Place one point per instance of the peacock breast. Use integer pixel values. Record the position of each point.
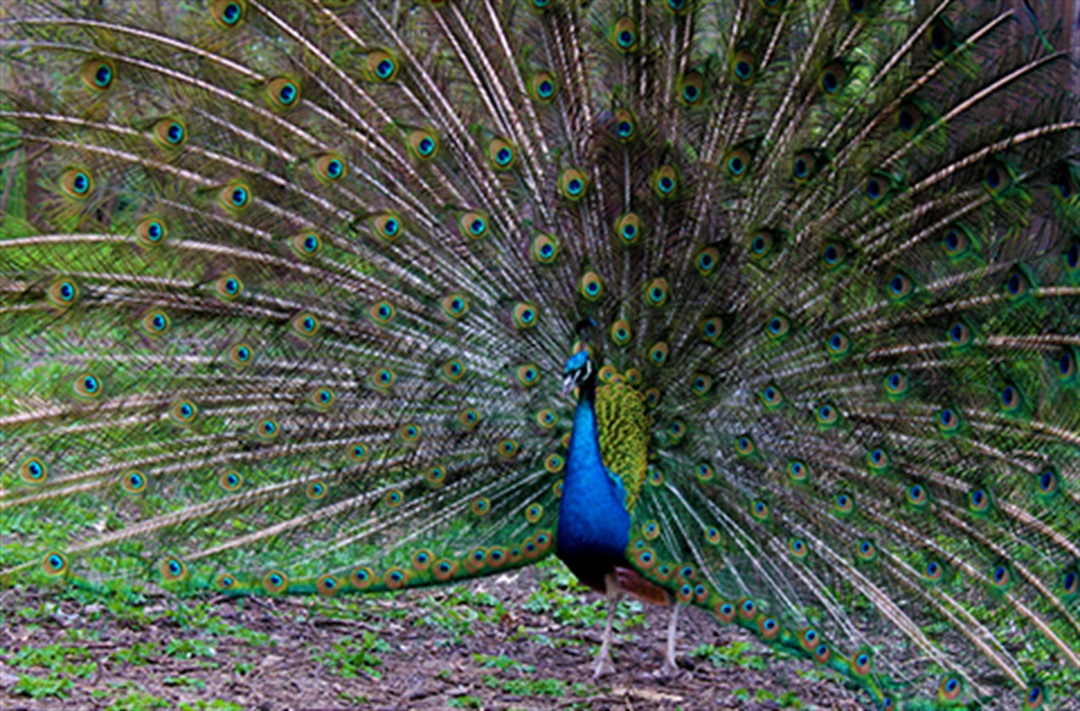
(605, 470)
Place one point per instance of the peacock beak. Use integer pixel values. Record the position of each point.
(568, 385)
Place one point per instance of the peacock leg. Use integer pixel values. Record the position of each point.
(604, 665)
(670, 668)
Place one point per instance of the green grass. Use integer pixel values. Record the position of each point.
(738, 654)
(350, 658)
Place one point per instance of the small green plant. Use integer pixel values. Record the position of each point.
(213, 705)
(535, 687)
(138, 701)
(736, 653)
(503, 663)
(358, 700)
(37, 687)
(190, 648)
(55, 657)
(350, 658)
(527, 687)
(137, 654)
(243, 668)
(185, 682)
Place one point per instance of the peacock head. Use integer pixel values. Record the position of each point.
(579, 370)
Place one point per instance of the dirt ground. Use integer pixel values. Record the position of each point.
(488, 645)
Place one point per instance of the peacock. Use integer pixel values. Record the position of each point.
(767, 307)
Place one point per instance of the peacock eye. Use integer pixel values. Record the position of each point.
(743, 66)
(874, 188)
(572, 184)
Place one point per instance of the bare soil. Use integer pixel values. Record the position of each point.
(507, 658)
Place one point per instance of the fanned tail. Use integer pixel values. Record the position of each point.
(287, 302)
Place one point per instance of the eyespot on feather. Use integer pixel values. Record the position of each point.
(282, 93)
(573, 184)
(473, 225)
(387, 226)
(624, 126)
(665, 182)
(382, 66)
(76, 184)
(228, 14)
(235, 197)
(169, 133)
(329, 168)
(306, 245)
(591, 286)
(743, 66)
(98, 74)
(151, 230)
(155, 323)
(624, 35)
(545, 248)
(628, 229)
(133, 482)
(690, 88)
(423, 144)
(33, 470)
(543, 87)
(88, 386)
(501, 154)
(305, 324)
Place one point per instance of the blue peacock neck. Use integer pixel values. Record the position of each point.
(594, 525)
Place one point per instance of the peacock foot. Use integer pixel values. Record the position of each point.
(668, 672)
(604, 667)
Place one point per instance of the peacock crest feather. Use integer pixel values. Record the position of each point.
(769, 307)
